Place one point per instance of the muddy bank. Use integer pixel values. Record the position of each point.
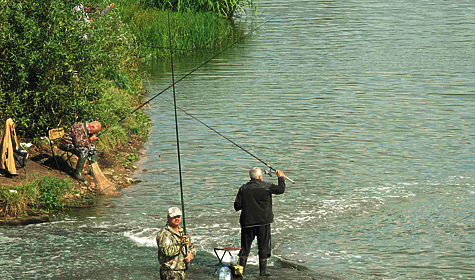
(116, 165)
(30, 217)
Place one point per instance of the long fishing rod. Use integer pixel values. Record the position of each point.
(176, 125)
(234, 143)
(178, 142)
(188, 74)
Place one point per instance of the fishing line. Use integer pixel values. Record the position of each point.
(190, 50)
(228, 139)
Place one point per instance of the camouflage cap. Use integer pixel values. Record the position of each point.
(174, 211)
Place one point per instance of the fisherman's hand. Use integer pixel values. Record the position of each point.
(185, 239)
(93, 138)
(279, 173)
(189, 258)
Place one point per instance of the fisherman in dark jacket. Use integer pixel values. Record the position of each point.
(255, 200)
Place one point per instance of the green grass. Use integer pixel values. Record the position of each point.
(46, 193)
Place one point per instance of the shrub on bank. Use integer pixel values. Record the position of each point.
(46, 193)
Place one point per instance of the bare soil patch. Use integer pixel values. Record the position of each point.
(114, 165)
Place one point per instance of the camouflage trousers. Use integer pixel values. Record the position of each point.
(80, 152)
(172, 274)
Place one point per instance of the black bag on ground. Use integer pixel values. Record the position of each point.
(20, 158)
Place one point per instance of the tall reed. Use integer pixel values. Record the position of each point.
(189, 30)
(225, 8)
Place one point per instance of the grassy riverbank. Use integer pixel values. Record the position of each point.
(59, 67)
(47, 193)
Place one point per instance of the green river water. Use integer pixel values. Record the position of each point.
(367, 105)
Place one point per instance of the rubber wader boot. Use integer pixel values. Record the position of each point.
(263, 268)
(78, 172)
(93, 158)
(242, 262)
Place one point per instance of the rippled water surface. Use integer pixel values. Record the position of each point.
(367, 105)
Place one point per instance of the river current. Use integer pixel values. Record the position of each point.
(367, 105)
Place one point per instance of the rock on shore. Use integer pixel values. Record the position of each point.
(205, 267)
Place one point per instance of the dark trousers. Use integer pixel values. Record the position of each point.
(263, 241)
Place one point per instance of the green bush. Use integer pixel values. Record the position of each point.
(51, 191)
(48, 193)
(51, 76)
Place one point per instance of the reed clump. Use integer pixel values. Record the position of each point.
(224, 8)
(190, 30)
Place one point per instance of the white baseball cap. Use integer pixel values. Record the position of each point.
(174, 212)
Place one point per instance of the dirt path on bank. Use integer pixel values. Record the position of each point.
(113, 163)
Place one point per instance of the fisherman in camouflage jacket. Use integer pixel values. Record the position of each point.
(175, 249)
(78, 140)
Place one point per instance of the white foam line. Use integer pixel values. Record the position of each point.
(146, 237)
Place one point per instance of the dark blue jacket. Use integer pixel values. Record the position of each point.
(255, 200)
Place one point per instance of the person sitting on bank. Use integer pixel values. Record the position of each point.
(175, 249)
(78, 140)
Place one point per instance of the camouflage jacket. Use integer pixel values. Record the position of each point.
(170, 256)
(78, 135)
